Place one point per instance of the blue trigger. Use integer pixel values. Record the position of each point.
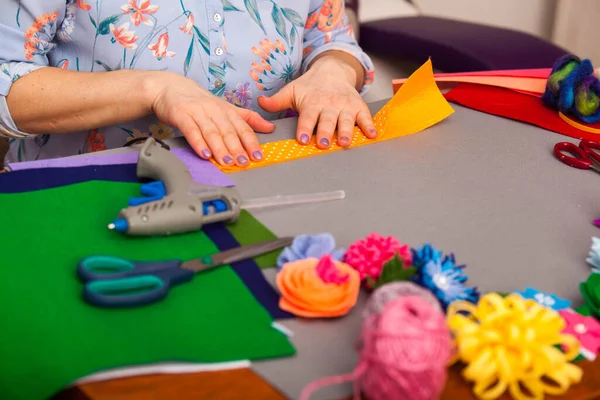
(220, 205)
(151, 191)
(214, 206)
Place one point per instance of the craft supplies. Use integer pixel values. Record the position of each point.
(41, 306)
(546, 299)
(510, 344)
(584, 156)
(403, 352)
(442, 276)
(394, 270)
(114, 282)
(417, 106)
(310, 246)
(585, 329)
(590, 290)
(318, 288)
(203, 172)
(517, 106)
(573, 89)
(369, 255)
(392, 291)
(594, 255)
(178, 205)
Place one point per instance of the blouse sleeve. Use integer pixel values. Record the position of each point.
(27, 29)
(327, 28)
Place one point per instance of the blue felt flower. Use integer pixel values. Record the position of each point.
(545, 299)
(446, 281)
(594, 255)
(307, 246)
(422, 256)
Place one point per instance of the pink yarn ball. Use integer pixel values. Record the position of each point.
(368, 255)
(404, 352)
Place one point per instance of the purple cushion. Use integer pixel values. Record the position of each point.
(456, 46)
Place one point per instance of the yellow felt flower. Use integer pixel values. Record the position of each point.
(510, 344)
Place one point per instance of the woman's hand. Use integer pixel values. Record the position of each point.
(326, 98)
(212, 126)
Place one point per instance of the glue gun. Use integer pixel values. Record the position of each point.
(183, 205)
(177, 204)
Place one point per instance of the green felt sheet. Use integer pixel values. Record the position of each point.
(50, 337)
(248, 230)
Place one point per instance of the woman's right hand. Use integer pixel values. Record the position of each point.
(212, 126)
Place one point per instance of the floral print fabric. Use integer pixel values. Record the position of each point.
(237, 49)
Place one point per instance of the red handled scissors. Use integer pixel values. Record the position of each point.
(584, 156)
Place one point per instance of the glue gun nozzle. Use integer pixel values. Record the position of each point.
(111, 226)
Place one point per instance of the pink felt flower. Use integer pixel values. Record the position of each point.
(328, 272)
(585, 329)
(368, 255)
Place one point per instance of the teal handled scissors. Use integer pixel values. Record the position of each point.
(113, 282)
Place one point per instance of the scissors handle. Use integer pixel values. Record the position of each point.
(572, 155)
(591, 149)
(113, 282)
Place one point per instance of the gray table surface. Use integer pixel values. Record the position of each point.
(486, 188)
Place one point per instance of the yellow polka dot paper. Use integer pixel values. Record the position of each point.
(416, 106)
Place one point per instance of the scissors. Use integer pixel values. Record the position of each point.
(584, 156)
(113, 282)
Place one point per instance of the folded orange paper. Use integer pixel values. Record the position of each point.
(418, 105)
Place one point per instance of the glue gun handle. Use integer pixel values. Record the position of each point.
(159, 164)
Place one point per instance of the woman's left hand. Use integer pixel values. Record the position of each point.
(325, 97)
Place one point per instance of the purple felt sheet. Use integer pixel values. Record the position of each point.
(204, 172)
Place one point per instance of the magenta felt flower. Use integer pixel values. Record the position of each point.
(368, 255)
(585, 329)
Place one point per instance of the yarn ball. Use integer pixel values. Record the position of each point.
(309, 246)
(369, 255)
(391, 291)
(572, 88)
(403, 354)
(318, 288)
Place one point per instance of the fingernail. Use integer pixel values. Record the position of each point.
(257, 155)
(242, 160)
(345, 140)
(373, 132)
(304, 138)
(227, 160)
(271, 123)
(206, 153)
(324, 142)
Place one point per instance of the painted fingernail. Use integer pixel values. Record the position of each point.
(344, 140)
(227, 160)
(257, 155)
(206, 153)
(304, 138)
(373, 132)
(324, 142)
(242, 160)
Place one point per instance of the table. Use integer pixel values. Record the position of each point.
(486, 188)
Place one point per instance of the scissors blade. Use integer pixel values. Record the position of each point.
(236, 254)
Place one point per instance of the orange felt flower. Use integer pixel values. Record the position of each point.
(318, 288)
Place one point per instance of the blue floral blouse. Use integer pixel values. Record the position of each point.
(238, 49)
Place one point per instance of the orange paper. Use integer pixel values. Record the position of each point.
(523, 84)
(306, 294)
(418, 105)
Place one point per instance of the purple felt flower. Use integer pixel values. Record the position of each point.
(310, 246)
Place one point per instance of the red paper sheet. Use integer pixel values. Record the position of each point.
(517, 106)
(520, 73)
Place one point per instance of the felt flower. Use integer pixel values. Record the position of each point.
(369, 255)
(590, 290)
(594, 255)
(422, 256)
(446, 281)
(316, 288)
(585, 329)
(545, 299)
(510, 344)
(309, 246)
